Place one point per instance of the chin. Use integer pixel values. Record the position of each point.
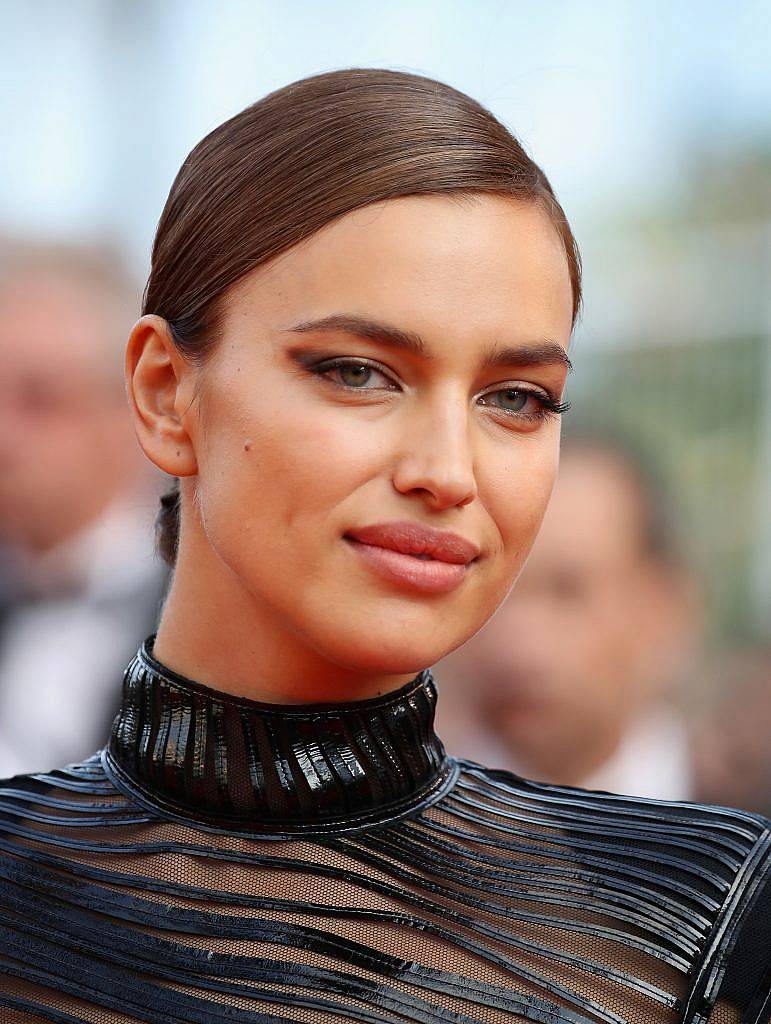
(394, 631)
(384, 651)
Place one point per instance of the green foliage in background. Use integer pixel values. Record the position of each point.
(696, 409)
(675, 351)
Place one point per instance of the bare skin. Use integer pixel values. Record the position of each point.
(277, 462)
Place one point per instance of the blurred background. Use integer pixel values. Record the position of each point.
(634, 654)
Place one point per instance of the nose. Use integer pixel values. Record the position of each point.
(437, 459)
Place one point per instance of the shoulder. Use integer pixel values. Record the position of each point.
(547, 794)
(705, 866)
(81, 775)
(41, 805)
(701, 841)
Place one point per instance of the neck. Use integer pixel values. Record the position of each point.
(233, 764)
(215, 630)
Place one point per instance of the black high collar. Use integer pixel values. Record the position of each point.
(234, 764)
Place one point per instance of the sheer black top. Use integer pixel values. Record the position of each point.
(227, 860)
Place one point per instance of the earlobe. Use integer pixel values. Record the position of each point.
(159, 387)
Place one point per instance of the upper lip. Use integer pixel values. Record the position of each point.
(413, 538)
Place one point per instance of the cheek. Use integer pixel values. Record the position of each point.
(516, 492)
(284, 464)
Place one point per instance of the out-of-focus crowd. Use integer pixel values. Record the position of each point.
(594, 671)
(79, 582)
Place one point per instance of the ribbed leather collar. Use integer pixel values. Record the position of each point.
(234, 764)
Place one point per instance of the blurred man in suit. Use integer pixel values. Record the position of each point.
(76, 504)
(572, 680)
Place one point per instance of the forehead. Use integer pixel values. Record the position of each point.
(474, 265)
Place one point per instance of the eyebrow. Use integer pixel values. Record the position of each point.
(540, 353)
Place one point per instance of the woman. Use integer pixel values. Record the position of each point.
(352, 358)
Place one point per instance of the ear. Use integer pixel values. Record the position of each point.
(160, 385)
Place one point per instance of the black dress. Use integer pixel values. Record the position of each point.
(227, 860)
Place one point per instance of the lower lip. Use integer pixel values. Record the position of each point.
(426, 574)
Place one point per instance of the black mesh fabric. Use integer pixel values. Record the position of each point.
(477, 897)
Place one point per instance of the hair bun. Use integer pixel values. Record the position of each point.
(167, 524)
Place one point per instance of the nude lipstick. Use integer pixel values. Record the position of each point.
(413, 555)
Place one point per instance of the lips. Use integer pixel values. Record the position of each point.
(422, 542)
(415, 557)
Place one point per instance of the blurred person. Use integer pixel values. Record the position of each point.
(732, 753)
(78, 570)
(577, 674)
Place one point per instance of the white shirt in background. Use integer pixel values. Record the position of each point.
(62, 657)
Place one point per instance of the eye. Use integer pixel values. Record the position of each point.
(524, 404)
(513, 399)
(355, 374)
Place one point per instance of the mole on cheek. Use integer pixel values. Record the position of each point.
(247, 446)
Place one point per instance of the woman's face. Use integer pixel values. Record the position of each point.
(294, 453)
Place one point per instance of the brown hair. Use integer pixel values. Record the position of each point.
(302, 156)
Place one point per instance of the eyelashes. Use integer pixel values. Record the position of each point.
(330, 365)
(546, 406)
